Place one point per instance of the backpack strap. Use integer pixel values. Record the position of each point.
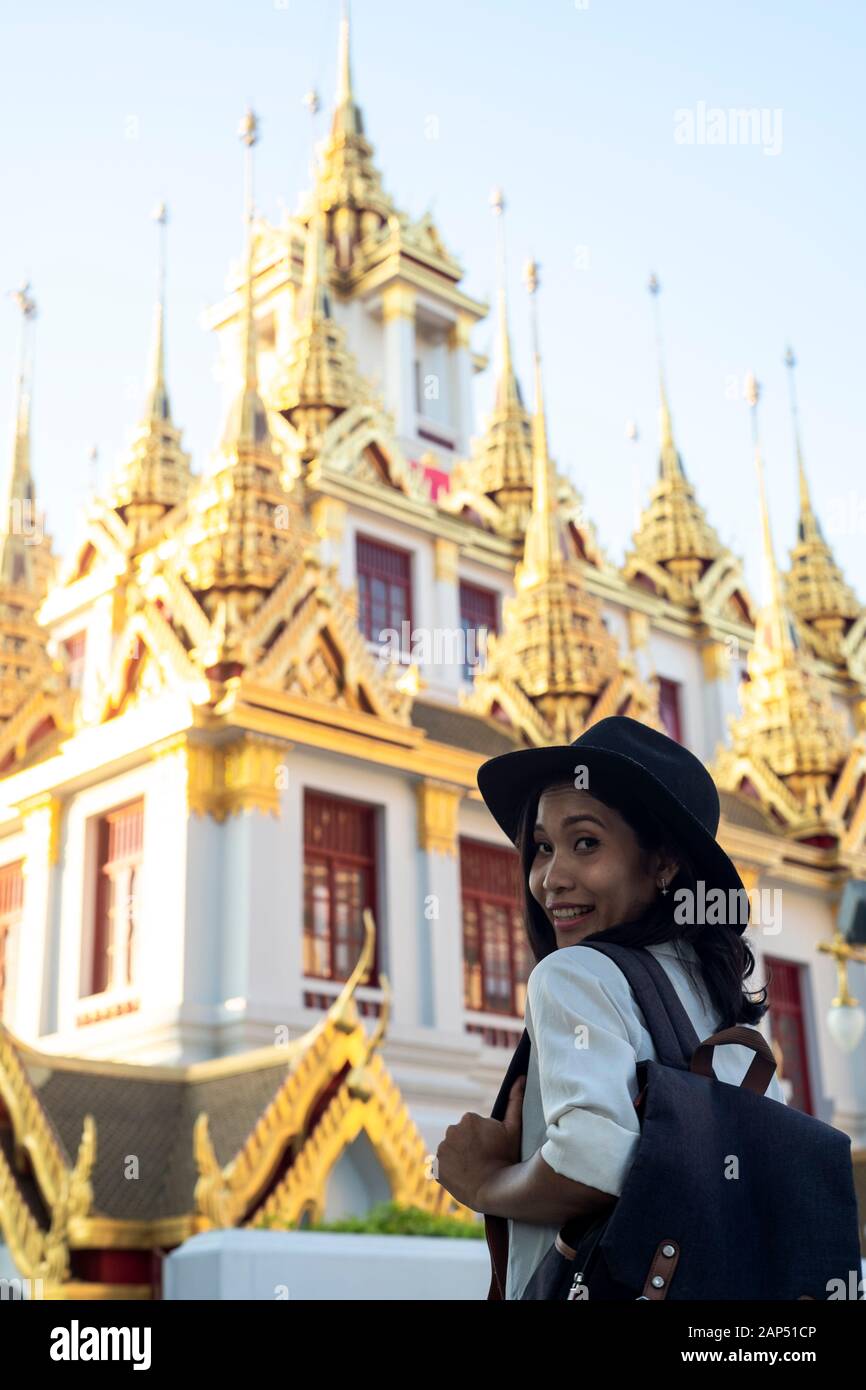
(669, 1026)
(496, 1227)
(518, 1066)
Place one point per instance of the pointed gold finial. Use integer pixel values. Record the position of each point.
(247, 423)
(345, 95)
(354, 199)
(501, 462)
(154, 475)
(539, 419)
(347, 123)
(807, 515)
(156, 400)
(23, 385)
(542, 551)
(783, 633)
(670, 463)
(26, 566)
(507, 388)
(19, 488)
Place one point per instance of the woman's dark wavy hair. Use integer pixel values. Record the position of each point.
(726, 960)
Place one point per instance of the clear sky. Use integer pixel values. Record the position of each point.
(576, 109)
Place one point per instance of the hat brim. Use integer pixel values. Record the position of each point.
(506, 782)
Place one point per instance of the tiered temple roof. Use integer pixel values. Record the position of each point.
(555, 668)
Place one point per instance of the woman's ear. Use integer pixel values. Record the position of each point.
(667, 867)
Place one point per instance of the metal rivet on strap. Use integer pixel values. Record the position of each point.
(658, 1282)
(668, 1250)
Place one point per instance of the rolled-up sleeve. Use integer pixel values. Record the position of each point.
(586, 1064)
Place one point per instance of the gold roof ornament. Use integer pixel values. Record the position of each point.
(155, 476)
(494, 485)
(504, 457)
(26, 568)
(790, 743)
(817, 592)
(321, 378)
(676, 552)
(242, 522)
(351, 190)
(556, 668)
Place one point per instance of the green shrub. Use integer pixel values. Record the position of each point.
(389, 1219)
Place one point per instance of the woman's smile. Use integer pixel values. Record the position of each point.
(568, 915)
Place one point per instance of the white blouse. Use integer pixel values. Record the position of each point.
(587, 1034)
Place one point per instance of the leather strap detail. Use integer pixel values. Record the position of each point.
(760, 1073)
(563, 1247)
(661, 1269)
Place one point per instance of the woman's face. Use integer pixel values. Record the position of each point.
(587, 861)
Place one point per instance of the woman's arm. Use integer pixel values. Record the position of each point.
(533, 1191)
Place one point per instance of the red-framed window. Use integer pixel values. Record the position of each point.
(11, 907)
(670, 707)
(384, 587)
(74, 647)
(496, 955)
(119, 863)
(339, 882)
(479, 614)
(788, 1028)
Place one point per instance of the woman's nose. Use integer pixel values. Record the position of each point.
(558, 876)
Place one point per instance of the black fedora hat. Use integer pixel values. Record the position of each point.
(656, 769)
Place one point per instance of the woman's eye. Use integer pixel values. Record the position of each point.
(581, 840)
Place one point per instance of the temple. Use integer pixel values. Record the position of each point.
(260, 940)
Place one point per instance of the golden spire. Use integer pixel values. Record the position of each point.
(555, 668)
(788, 722)
(320, 379)
(25, 563)
(508, 393)
(247, 422)
(542, 555)
(19, 521)
(243, 525)
(155, 474)
(674, 544)
(157, 407)
(816, 587)
(503, 459)
(781, 632)
(670, 463)
(351, 186)
(347, 113)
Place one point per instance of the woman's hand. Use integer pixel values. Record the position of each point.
(476, 1148)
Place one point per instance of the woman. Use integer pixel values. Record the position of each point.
(616, 835)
